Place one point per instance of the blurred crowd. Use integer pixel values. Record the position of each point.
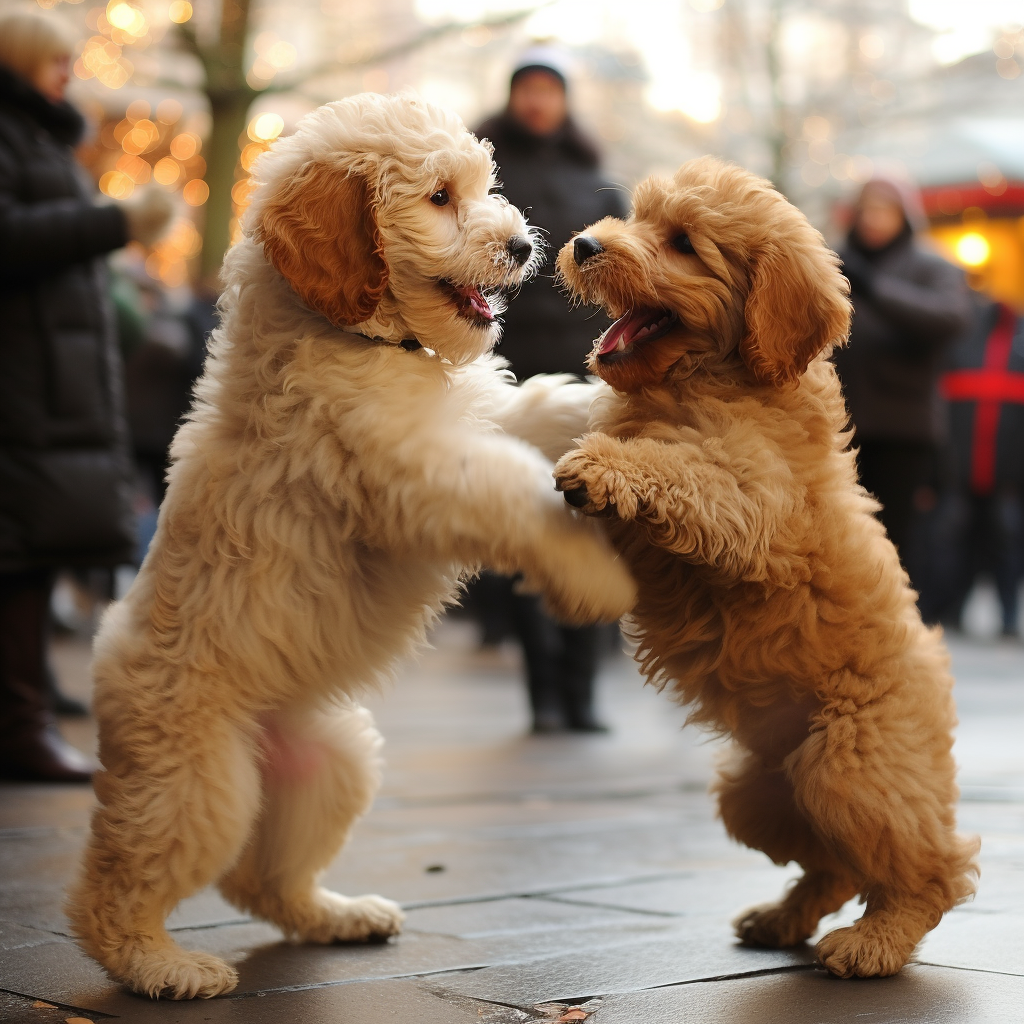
(98, 362)
(933, 383)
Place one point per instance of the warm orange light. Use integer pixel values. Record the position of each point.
(972, 249)
(168, 111)
(135, 167)
(241, 192)
(266, 127)
(137, 110)
(117, 185)
(249, 154)
(185, 145)
(196, 192)
(127, 18)
(167, 171)
(179, 12)
(143, 136)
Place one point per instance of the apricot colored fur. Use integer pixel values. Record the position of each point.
(771, 601)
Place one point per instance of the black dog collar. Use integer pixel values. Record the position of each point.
(409, 344)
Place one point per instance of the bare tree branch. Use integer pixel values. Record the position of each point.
(406, 46)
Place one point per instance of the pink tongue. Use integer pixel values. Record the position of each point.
(611, 337)
(476, 302)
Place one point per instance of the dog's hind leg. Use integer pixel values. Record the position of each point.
(320, 774)
(878, 783)
(757, 807)
(173, 815)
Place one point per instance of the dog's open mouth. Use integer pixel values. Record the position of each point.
(636, 325)
(469, 301)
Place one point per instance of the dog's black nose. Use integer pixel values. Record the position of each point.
(584, 247)
(519, 248)
(578, 497)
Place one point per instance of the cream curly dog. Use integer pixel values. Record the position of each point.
(771, 600)
(352, 449)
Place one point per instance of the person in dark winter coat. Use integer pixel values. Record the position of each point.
(65, 475)
(979, 525)
(549, 169)
(909, 306)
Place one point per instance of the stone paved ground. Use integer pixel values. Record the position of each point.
(544, 878)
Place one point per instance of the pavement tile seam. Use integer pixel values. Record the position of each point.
(609, 906)
(227, 922)
(53, 934)
(51, 937)
(627, 990)
(735, 976)
(363, 980)
(551, 890)
(973, 970)
(62, 1006)
(522, 1012)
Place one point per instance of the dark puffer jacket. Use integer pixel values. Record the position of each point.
(65, 496)
(909, 306)
(554, 180)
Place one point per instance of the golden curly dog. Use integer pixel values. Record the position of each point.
(771, 600)
(353, 448)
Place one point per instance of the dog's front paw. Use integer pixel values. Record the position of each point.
(865, 950)
(772, 926)
(336, 918)
(591, 485)
(175, 973)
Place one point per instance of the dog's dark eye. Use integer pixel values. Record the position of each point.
(681, 243)
(441, 197)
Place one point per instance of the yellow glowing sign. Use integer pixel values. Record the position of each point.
(973, 249)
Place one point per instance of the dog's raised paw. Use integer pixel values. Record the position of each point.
(177, 973)
(336, 918)
(772, 926)
(593, 487)
(859, 951)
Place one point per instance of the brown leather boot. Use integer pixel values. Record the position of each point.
(31, 748)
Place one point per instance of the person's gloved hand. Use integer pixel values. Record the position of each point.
(859, 272)
(148, 216)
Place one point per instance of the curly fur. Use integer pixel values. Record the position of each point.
(326, 493)
(771, 601)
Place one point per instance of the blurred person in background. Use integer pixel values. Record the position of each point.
(979, 525)
(909, 306)
(161, 369)
(549, 169)
(65, 476)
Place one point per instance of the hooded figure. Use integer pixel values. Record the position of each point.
(909, 306)
(548, 169)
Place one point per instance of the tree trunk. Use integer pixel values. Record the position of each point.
(230, 96)
(229, 111)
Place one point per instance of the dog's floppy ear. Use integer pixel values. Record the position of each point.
(320, 233)
(797, 305)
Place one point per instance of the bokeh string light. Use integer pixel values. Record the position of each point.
(261, 131)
